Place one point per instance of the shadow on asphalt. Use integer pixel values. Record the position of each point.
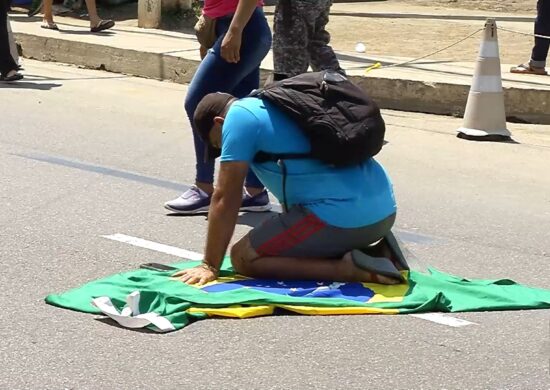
(108, 321)
(34, 77)
(87, 32)
(247, 219)
(28, 85)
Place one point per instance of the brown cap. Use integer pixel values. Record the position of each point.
(211, 106)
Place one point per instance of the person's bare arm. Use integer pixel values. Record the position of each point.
(224, 209)
(222, 218)
(231, 44)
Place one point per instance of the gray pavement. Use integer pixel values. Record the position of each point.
(86, 153)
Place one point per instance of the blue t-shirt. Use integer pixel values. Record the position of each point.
(347, 197)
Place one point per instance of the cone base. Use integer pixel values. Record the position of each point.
(478, 136)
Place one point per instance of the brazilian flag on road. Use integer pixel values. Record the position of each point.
(145, 298)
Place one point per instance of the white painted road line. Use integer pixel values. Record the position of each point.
(155, 246)
(438, 318)
(443, 319)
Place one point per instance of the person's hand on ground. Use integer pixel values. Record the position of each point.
(200, 274)
(231, 47)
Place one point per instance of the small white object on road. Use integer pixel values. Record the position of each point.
(130, 317)
(360, 47)
(443, 319)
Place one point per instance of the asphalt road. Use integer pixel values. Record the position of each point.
(85, 154)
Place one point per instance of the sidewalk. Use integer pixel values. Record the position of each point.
(395, 32)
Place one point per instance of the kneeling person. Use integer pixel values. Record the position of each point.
(331, 211)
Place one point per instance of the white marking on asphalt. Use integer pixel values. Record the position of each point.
(443, 319)
(155, 246)
(438, 318)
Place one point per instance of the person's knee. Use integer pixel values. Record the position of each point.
(242, 254)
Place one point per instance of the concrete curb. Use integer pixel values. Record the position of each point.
(526, 105)
(89, 55)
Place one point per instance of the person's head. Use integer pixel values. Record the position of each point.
(208, 119)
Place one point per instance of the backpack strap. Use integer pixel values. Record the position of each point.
(279, 158)
(262, 157)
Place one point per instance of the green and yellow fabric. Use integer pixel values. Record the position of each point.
(145, 298)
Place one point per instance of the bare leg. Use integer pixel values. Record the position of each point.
(247, 262)
(206, 187)
(253, 191)
(92, 13)
(48, 12)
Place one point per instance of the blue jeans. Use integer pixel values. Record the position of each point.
(542, 27)
(214, 74)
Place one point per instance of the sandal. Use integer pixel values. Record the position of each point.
(103, 25)
(528, 69)
(49, 26)
(377, 267)
(14, 77)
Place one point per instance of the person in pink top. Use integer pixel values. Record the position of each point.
(231, 65)
(218, 8)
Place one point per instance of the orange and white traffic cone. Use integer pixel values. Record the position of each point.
(485, 117)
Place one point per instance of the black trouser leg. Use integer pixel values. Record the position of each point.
(6, 60)
(542, 27)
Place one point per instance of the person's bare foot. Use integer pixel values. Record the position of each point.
(94, 20)
(49, 24)
(360, 275)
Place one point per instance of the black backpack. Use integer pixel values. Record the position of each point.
(343, 124)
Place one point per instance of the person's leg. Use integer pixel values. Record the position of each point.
(13, 45)
(47, 18)
(249, 83)
(92, 13)
(321, 54)
(542, 27)
(299, 246)
(253, 185)
(96, 23)
(202, 84)
(216, 75)
(247, 262)
(290, 38)
(8, 67)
